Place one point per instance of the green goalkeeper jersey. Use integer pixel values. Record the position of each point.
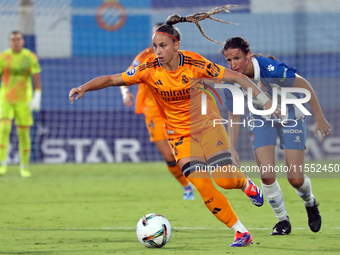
(16, 70)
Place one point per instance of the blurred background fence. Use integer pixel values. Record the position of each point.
(77, 40)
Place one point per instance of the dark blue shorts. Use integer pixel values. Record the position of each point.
(292, 134)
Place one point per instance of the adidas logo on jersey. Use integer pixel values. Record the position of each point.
(219, 143)
(159, 82)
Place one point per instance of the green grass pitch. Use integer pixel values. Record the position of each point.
(94, 209)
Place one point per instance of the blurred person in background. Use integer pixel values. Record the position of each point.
(17, 68)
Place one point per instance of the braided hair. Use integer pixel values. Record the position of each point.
(169, 29)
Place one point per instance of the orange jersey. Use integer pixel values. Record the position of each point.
(179, 96)
(145, 102)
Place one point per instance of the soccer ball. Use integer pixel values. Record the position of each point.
(153, 230)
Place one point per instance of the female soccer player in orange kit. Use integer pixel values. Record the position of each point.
(146, 104)
(192, 136)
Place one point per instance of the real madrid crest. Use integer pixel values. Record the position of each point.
(185, 79)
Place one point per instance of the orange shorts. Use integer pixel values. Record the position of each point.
(155, 127)
(203, 144)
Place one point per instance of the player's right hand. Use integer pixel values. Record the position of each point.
(78, 92)
(276, 113)
(127, 98)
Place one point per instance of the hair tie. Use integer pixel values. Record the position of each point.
(183, 19)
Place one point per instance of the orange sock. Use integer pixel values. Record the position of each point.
(233, 179)
(177, 173)
(213, 199)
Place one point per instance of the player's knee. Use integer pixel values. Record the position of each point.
(225, 183)
(5, 128)
(19, 128)
(194, 166)
(222, 164)
(200, 179)
(267, 181)
(296, 182)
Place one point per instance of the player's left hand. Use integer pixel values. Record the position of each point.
(127, 99)
(324, 127)
(35, 103)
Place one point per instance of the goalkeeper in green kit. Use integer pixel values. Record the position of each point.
(17, 68)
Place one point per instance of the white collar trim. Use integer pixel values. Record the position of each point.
(256, 69)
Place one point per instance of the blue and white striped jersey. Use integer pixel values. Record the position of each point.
(269, 74)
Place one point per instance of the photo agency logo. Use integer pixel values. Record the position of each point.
(204, 96)
(238, 103)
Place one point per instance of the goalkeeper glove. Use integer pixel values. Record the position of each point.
(36, 101)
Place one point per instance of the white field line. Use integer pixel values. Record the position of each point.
(129, 228)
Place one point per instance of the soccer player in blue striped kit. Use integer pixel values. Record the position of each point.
(268, 73)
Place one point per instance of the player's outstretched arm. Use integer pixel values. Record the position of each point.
(100, 82)
(235, 77)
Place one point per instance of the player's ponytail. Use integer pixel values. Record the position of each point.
(169, 29)
(174, 19)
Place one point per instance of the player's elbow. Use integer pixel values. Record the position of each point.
(117, 80)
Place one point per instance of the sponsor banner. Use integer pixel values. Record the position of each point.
(88, 137)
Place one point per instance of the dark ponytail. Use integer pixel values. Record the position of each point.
(174, 19)
(168, 28)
